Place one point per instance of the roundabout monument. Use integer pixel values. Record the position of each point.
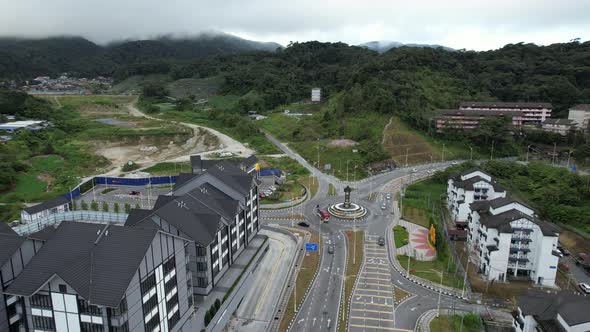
(347, 210)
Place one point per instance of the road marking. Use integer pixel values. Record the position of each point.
(377, 304)
(374, 284)
(375, 296)
(263, 295)
(371, 311)
(376, 268)
(372, 278)
(372, 318)
(364, 326)
(373, 290)
(379, 273)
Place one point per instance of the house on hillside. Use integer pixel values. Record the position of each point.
(580, 114)
(57, 205)
(559, 126)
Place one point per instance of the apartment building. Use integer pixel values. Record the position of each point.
(580, 114)
(505, 237)
(217, 210)
(530, 113)
(547, 312)
(559, 126)
(469, 115)
(468, 187)
(100, 277)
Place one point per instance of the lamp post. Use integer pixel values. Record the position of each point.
(492, 153)
(407, 149)
(470, 153)
(439, 294)
(443, 153)
(347, 169)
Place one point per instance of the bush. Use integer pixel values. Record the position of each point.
(130, 166)
(127, 207)
(84, 205)
(207, 318)
(94, 206)
(217, 304)
(116, 208)
(105, 207)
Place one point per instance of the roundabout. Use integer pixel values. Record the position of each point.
(347, 210)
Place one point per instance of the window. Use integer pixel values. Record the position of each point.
(85, 308)
(153, 323)
(90, 327)
(201, 266)
(201, 251)
(173, 320)
(150, 304)
(41, 301)
(63, 288)
(122, 328)
(43, 323)
(148, 283)
(121, 309)
(202, 282)
(169, 265)
(173, 301)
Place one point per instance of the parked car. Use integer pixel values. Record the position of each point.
(134, 193)
(414, 170)
(330, 249)
(303, 224)
(383, 206)
(454, 163)
(388, 196)
(584, 287)
(381, 241)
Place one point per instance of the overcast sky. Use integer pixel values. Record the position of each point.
(470, 24)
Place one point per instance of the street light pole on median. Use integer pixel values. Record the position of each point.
(527, 153)
(439, 294)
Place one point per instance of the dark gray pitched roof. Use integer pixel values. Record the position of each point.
(6, 229)
(559, 121)
(499, 104)
(501, 221)
(482, 113)
(217, 201)
(581, 107)
(182, 178)
(137, 215)
(91, 264)
(191, 217)
(44, 234)
(232, 176)
(545, 306)
(61, 200)
(468, 184)
(202, 164)
(480, 206)
(9, 244)
(503, 201)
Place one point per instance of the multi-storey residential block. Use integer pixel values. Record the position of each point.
(98, 277)
(580, 114)
(468, 187)
(316, 95)
(505, 237)
(217, 209)
(530, 113)
(559, 126)
(547, 312)
(471, 114)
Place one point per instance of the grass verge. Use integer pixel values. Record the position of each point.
(169, 168)
(352, 271)
(431, 270)
(304, 277)
(332, 190)
(471, 323)
(400, 236)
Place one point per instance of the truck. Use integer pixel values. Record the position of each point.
(324, 215)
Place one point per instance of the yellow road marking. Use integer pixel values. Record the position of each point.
(373, 290)
(371, 311)
(262, 297)
(377, 304)
(372, 318)
(364, 326)
(374, 284)
(376, 296)
(371, 278)
(379, 273)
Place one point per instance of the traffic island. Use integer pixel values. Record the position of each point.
(347, 210)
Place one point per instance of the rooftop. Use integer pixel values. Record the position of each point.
(545, 306)
(499, 104)
(58, 201)
(565, 122)
(581, 107)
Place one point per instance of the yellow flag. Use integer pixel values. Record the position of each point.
(257, 167)
(432, 234)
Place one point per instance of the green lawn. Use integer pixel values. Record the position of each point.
(332, 190)
(29, 184)
(288, 191)
(471, 323)
(400, 236)
(431, 270)
(420, 199)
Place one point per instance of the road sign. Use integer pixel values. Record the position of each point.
(311, 246)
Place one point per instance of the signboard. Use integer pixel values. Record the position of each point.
(311, 247)
(552, 267)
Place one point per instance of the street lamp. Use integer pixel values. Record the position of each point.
(492, 153)
(527, 152)
(471, 153)
(407, 149)
(347, 169)
(443, 153)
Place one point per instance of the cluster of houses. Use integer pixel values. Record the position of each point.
(66, 85)
(469, 115)
(74, 277)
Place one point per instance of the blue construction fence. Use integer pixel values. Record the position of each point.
(116, 181)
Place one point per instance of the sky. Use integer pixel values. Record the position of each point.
(468, 24)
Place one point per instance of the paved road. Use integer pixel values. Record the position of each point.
(314, 315)
(121, 194)
(257, 308)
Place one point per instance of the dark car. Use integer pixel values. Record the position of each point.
(330, 249)
(303, 224)
(381, 241)
(134, 193)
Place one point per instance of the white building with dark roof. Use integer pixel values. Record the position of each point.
(580, 114)
(547, 312)
(505, 237)
(57, 205)
(468, 187)
(559, 126)
(80, 280)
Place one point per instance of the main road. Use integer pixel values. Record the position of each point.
(320, 309)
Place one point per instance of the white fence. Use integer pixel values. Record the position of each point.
(56, 218)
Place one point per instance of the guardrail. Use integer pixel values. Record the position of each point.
(56, 218)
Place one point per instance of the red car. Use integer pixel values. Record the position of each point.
(134, 193)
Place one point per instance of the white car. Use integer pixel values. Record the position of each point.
(414, 170)
(388, 196)
(454, 163)
(584, 287)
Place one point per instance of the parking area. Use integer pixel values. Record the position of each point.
(142, 196)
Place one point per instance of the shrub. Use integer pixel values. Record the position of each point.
(127, 207)
(217, 304)
(105, 207)
(116, 207)
(94, 206)
(207, 318)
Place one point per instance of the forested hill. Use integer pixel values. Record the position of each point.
(27, 58)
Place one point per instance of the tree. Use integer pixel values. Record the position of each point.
(84, 205)
(137, 206)
(116, 207)
(207, 318)
(105, 207)
(94, 206)
(217, 304)
(127, 208)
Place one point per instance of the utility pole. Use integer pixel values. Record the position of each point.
(554, 153)
(527, 153)
(318, 153)
(347, 169)
(354, 241)
(407, 156)
(439, 294)
(443, 153)
(471, 153)
(492, 153)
